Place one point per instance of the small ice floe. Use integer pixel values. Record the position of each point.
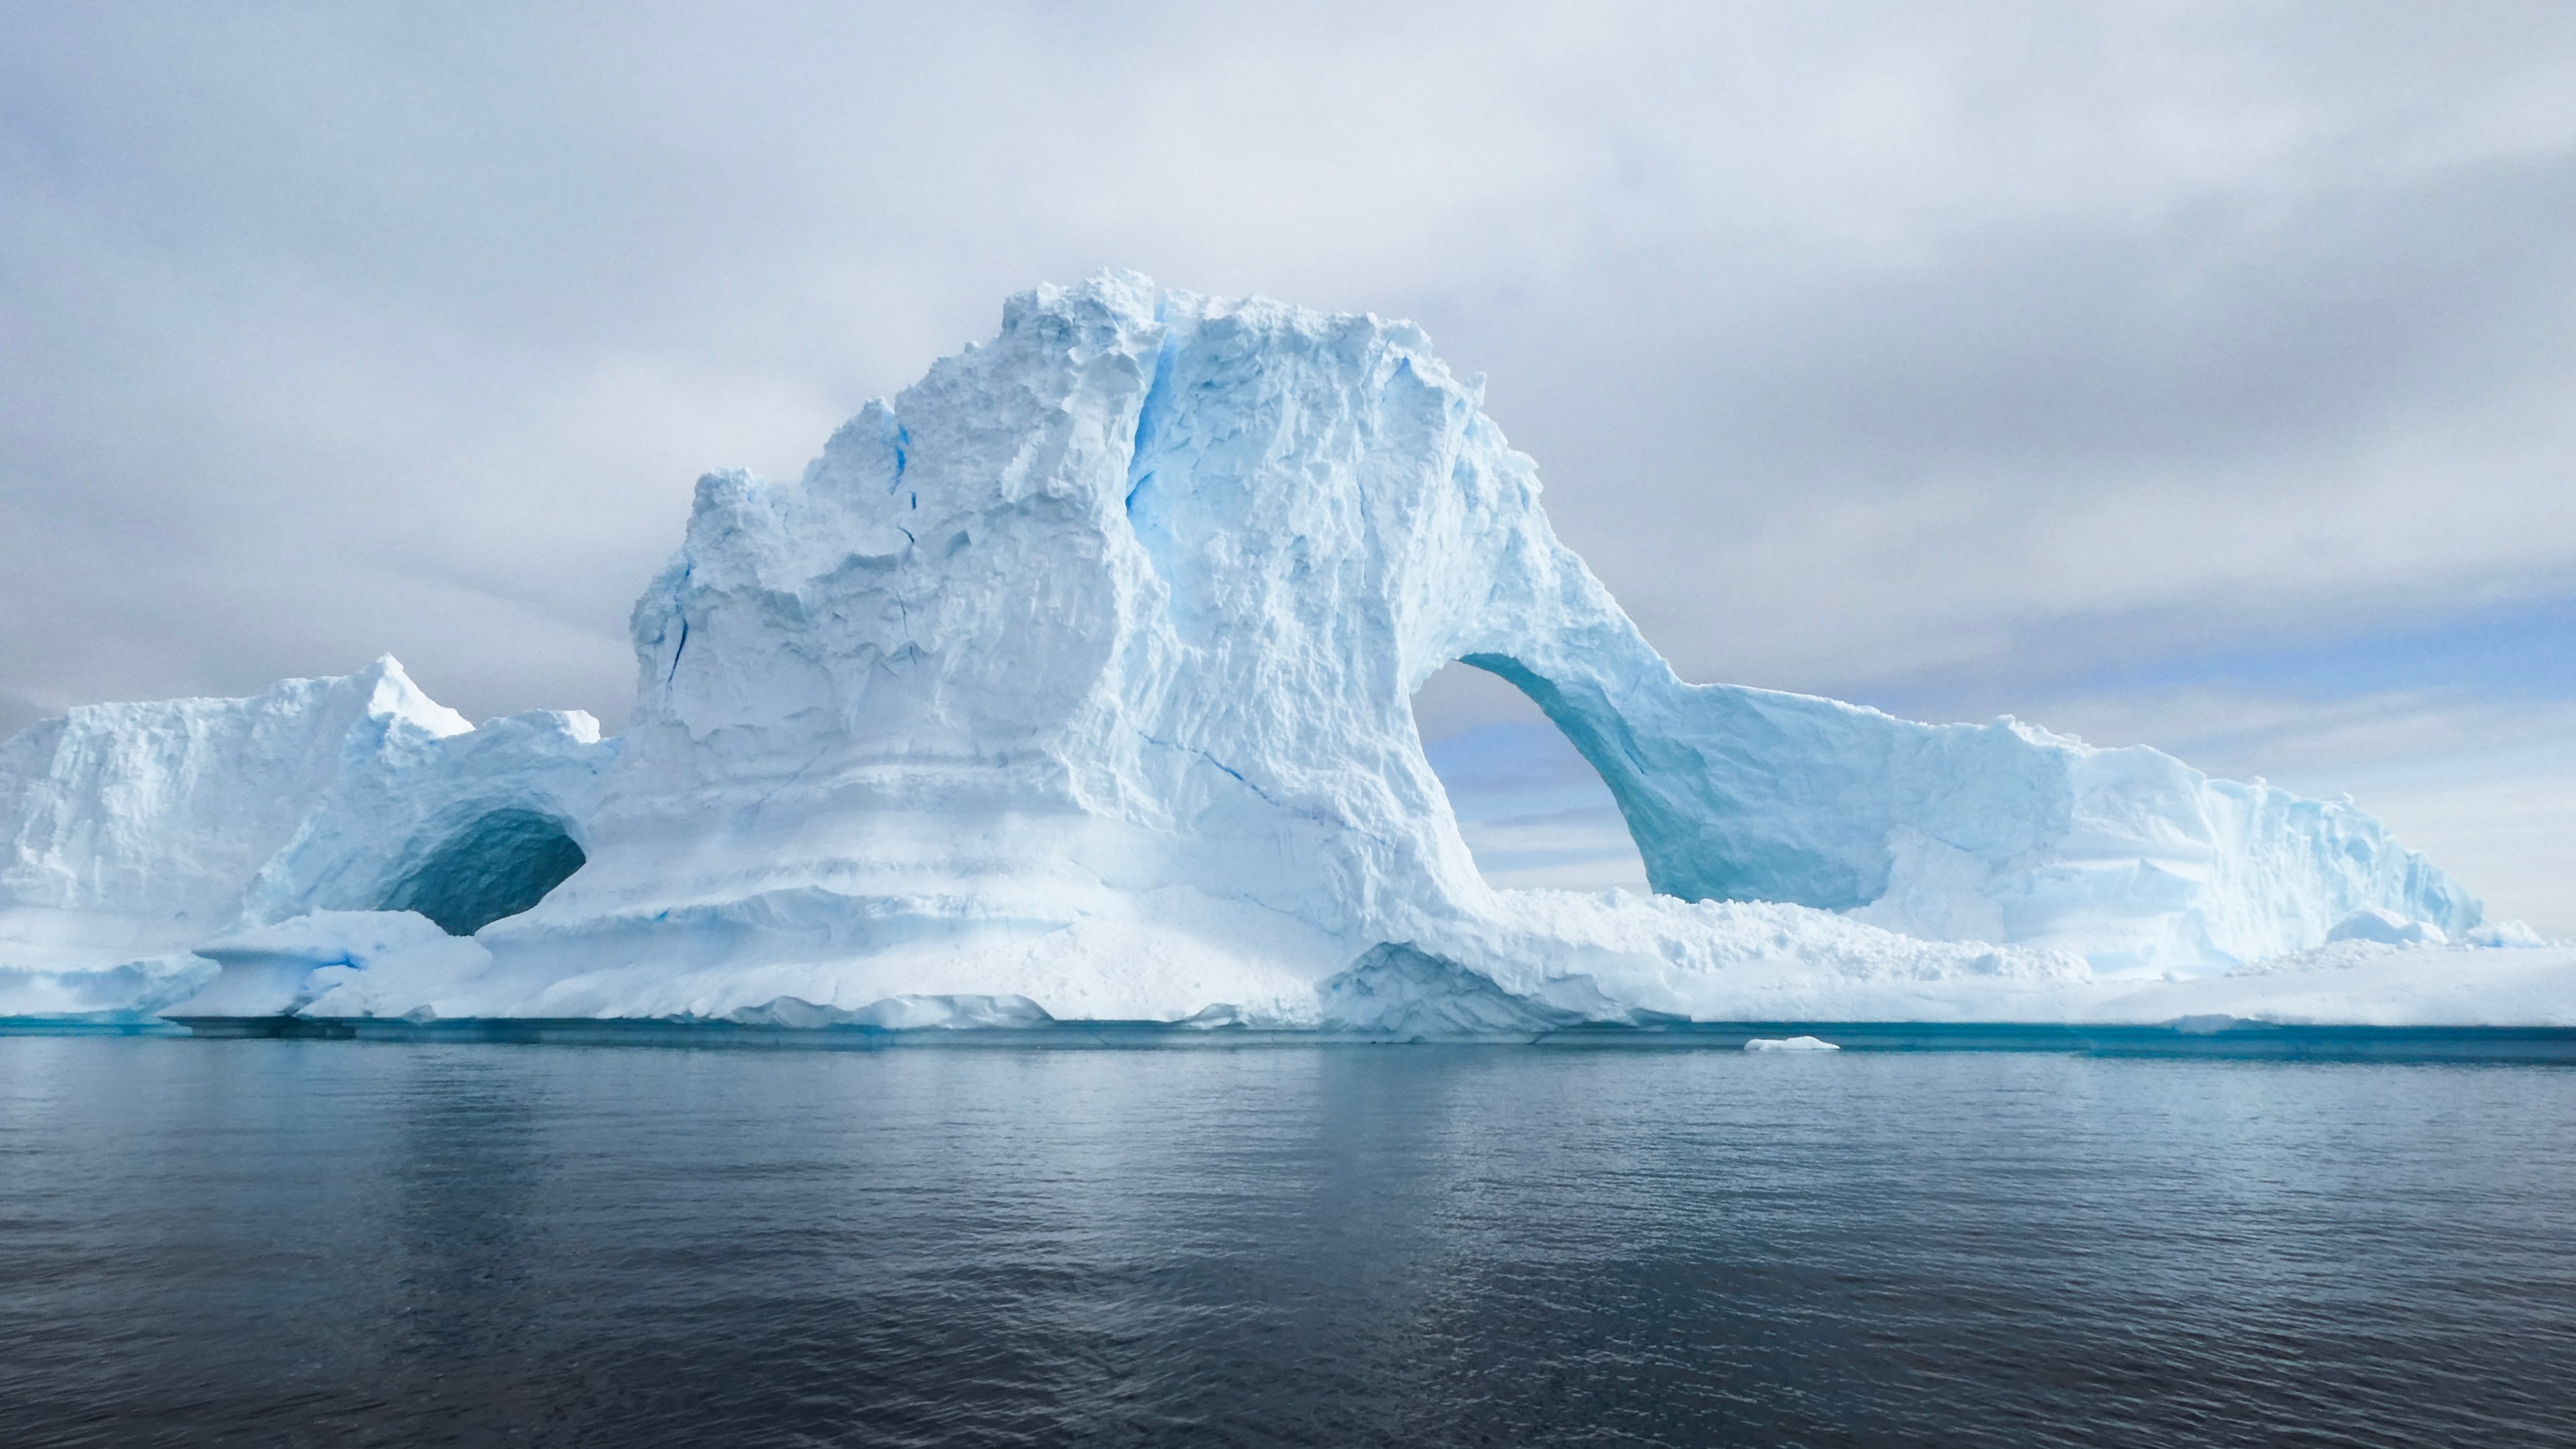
(1790, 1044)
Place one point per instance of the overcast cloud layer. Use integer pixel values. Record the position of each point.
(2196, 374)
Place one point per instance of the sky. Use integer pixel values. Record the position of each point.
(2186, 374)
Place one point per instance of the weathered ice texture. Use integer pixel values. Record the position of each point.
(135, 832)
(1076, 681)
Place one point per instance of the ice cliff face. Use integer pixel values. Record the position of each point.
(135, 832)
(1080, 674)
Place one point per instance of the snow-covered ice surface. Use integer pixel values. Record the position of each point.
(1074, 683)
(137, 833)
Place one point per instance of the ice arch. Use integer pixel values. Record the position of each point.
(1102, 639)
(1729, 796)
(1533, 809)
(500, 864)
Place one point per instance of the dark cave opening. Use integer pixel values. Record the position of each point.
(498, 866)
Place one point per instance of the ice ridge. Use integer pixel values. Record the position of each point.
(1079, 674)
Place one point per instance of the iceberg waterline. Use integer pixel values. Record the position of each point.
(1076, 682)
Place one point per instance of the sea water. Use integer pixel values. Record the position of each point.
(361, 1242)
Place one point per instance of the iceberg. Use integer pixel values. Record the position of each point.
(1074, 683)
(138, 833)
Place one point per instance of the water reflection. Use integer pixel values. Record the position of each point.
(381, 1243)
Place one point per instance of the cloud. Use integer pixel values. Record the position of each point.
(1532, 810)
(1949, 355)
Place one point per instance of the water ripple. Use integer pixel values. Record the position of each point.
(372, 1243)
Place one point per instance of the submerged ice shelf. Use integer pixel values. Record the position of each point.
(1074, 683)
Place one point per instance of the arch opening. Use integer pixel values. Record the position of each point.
(499, 865)
(1533, 810)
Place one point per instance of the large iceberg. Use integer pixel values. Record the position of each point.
(1075, 682)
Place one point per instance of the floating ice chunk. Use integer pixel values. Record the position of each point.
(1074, 683)
(1790, 1044)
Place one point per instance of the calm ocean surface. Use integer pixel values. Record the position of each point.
(332, 1243)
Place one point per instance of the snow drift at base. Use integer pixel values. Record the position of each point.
(1076, 682)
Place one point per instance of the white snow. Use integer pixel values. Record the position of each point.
(1074, 683)
(2378, 923)
(138, 832)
